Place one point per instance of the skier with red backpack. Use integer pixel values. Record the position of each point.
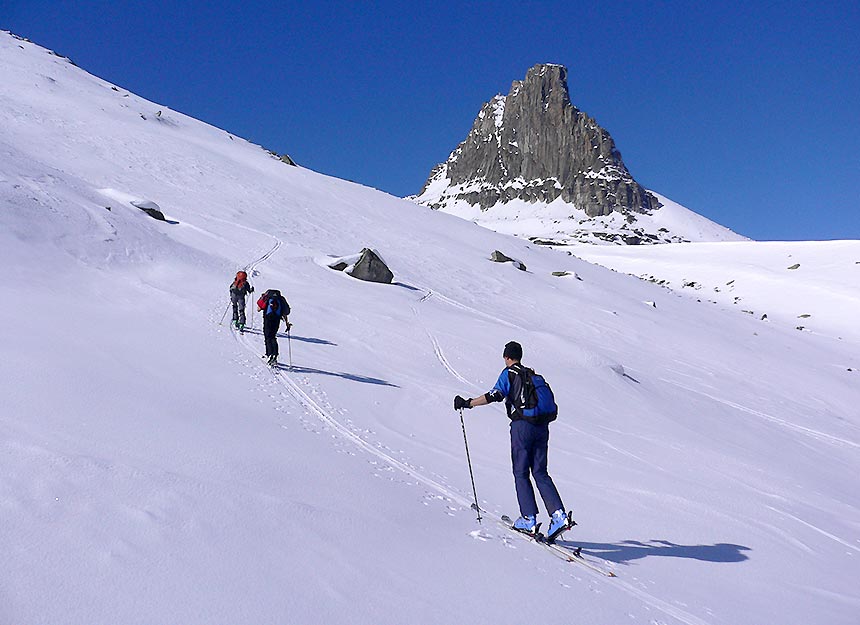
(274, 307)
(238, 290)
(531, 407)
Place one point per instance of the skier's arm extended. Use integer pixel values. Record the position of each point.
(499, 392)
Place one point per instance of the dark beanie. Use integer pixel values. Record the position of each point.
(513, 350)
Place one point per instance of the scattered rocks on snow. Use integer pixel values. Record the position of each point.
(795, 266)
(284, 158)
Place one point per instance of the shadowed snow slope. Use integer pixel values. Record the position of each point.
(155, 471)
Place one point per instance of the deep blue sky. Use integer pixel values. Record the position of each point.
(745, 112)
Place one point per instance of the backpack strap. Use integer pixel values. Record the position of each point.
(515, 391)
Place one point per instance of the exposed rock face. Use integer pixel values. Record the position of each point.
(534, 145)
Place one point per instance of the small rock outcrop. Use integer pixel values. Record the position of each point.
(498, 257)
(150, 208)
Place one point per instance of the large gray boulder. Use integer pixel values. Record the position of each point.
(367, 266)
(371, 268)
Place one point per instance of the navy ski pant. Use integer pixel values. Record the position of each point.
(529, 456)
(270, 333)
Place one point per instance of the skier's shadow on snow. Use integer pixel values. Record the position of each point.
(408, 287)
(629, 550)
(306, 339)
(303, 339)
(347, 376)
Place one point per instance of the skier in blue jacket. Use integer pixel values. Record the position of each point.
(529, 443)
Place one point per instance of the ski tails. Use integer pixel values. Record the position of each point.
(570, 554)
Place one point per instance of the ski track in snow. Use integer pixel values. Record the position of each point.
(312, 406)
(821, 436)
(440, 355)
(464, 307)
(815, 528)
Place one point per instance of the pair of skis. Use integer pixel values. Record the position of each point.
(569, 554)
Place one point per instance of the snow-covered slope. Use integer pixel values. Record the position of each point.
(560, 223)
(154, 470)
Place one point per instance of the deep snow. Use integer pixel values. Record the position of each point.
(154, 470)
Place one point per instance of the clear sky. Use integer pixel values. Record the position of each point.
(745, 112)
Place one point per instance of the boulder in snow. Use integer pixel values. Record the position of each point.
(367, 266)
(150, 208)
(498, 257)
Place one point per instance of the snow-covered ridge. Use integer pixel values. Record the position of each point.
(155, 471)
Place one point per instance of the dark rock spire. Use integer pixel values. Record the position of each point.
(534, 145)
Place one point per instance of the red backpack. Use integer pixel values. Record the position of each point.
(240, 281)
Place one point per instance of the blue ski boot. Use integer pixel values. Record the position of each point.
(526, 525)
(559, 522)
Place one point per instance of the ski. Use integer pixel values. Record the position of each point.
(569, 554)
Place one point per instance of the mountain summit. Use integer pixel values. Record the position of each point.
(534, 146)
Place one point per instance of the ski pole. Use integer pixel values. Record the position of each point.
(224, 315)
(290, 346)
(469, 460)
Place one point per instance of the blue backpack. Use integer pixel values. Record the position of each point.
(536, 403)
(273, 306)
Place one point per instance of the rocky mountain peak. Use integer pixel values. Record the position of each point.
(535, 145)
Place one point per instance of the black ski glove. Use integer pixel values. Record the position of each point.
(460, 403)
